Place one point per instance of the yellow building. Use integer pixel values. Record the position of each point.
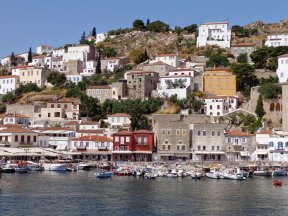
(219, 81)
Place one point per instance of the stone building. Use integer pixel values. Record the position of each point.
(141, 83)
(160, 67)
(208, 141)
(285, 107)
(243, 48)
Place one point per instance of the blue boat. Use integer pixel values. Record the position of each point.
(104, 175)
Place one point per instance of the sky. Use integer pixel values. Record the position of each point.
(31, 23)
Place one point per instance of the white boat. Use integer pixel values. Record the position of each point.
(196, 175)
(84, 166)
(279, 172)
(234, 176)
(213, 175)
(262, 173)
(55, 167)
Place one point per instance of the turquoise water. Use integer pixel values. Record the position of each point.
(80, 193)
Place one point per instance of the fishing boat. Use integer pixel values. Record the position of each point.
(71, 168)
(277, 183)
(196, 175)
(123, 172)
(55, 167)
(104, 175)
(84, 166)
(9, 168)
(262, 173)
(234, 176)
(22, 169)
(213, 175)
(279, 172)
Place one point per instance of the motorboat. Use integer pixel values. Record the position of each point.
(234, 176)
(213, 175)
(22, 169)
(196, 175)
(123, 172)
(55, 167)
(262, 173)
(71, 168)
(171, 174)
(84, 166)
(150, 175)
(104, 175)
(9, 168)
(279, 172)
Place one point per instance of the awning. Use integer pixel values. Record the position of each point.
(244, 154)
(122, 152)
(182, 155)
(61, 147)
(261, 152)
(142, 152)
(209, 152)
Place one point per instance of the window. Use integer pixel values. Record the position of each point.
(127, 139)
(28, 139)
(58, 105)
(87, 144)
(16, 138)
(243, 140)
(218, 133)
(218, 106)
(52, 105)
(75, 144)
(122, 140)
(286, 144)
(22, 138)
(199, 147)
(204, 133)
(163, 147)
(178, 132)
(271, 144)
(49, 115)
(211, 106)
(145, 141)
(212, 148)
(122, 148)
(183, 132)
(168, 132)
(229, 140)
(199, 133)
(204, 147)
(126, 148)
(218, 148)
(65, 106)
(139, 140)
(213, 133)
(163, 131)
(280, 145)
(117, 148)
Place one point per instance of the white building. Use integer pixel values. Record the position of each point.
(214, 33)
(89, 125)
(8, 83)
(57, 63)
(119, 120)
(170, 59)
(80, 52)
(97, 143)
(278, 148)
(177, 82)
(90, 68)
(43, 49)
(74, 78)
(58, 52)
(41, 61)
(110, 64)
(13, 118)
(277, 39)
(282, 70)
(100, 37)
(220, 105)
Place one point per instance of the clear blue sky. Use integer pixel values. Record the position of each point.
(57, 22)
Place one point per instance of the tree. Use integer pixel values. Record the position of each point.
(109, 52)
(83, 39)
(260, 112)
(13, 62)
(90, 107)
(73, 92)
(137, 56)
(245, 77)
(147, 23)
(30, 55)
(9, 98)
(30, 87)
(158, 26)
(56, 78)
(191, 28)
(98, 66)
(217, 59)
(270, 90)
(242, 58)
(138, 24)
(240, 31)
(94, 32)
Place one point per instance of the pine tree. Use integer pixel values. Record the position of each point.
(98, 66)
(147, 23)
(145, 57)
(94, 32)
(30, 55)
(13, 60)
(260, 112)
(83, 36)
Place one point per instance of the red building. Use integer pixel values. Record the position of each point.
(133, 146)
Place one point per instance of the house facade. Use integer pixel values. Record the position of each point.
(18, 137)
(170, 59)
(8, 83)
(214, 33)
(243, 48)
(119, 120)
(34, 75)
(220, 105)
(277, 39)
(282, 70)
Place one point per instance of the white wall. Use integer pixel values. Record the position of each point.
(282, 70)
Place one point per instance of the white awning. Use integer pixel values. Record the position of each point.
(244, 154)
(61, 147)
(209, 152)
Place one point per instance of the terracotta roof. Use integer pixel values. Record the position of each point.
(24, 66)
(51, 128)
(91, 131)
(180, 75)
(220, 97)
(243, 45)
(181, 69)
(99, 87)
(123, 132)
(158, 63)
(283, 56)
(238, 134)
(16, 130)
(89, 123)
(12, 115)
(93, 138)
(265, 132)
(71, 123)
(163, 55)
(11, 125)
(141, 72)
(8, 76)
(142, 131)
(119, 115)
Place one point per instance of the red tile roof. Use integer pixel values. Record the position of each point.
(238, 134)
(16, 130)
(93, 138)
(91, 131)
(123, 132)
(51, 128)
(89, 123)
(71, 123)
(119, 115)
(158, 63)
(8, 76)
(12, 115)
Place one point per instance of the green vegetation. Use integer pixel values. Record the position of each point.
(245, 77)
(56, 78)
(13, 60)
(139, 25)
(94, 32)
(240, 31)
(266, 57)
(270, 90)
(242, 58)
(260, 112)
(247, 122)
(217, 59)
(190, 103)
(30, 55)
(137, 56)
(158, 26)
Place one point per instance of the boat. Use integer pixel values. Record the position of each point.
(104, 175)
(277, 183)
(9, 168)
(234, 176)
(71, 168)
(123, 172)
(213, 175)
(55, 167)
(262, 173)
(35, 168)
(84, 166)
(279, 172)
(196, 175)
(150, 176)
(22, 169)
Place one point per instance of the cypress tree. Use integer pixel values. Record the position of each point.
(260, 112)
(147, 23)
(98, 66)
(94, 32)
(13, 60)
(30, 55)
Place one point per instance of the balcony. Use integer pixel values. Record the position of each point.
(81, 148)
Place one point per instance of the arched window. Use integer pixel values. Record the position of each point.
(278, 107)
(280, 145)
(272, 107)
(271, 144)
